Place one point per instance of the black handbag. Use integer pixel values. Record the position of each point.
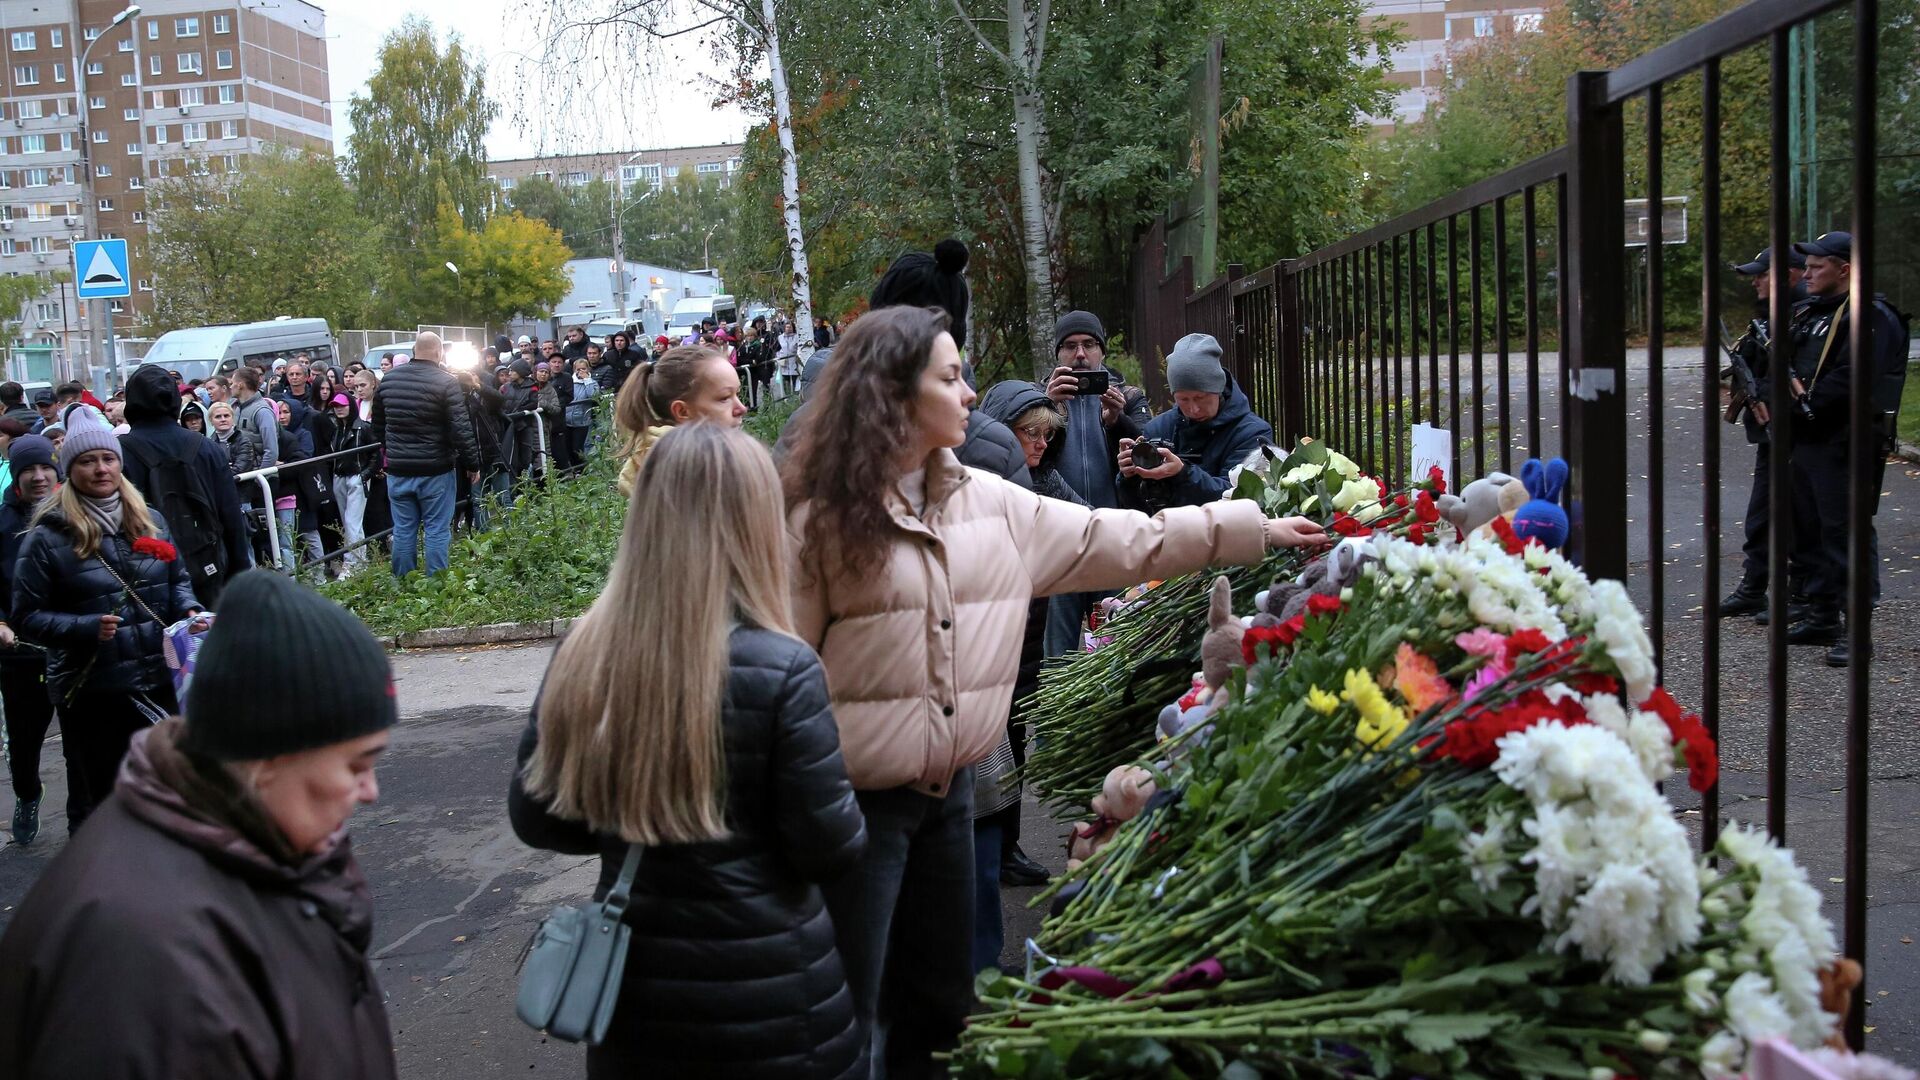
(570, 979)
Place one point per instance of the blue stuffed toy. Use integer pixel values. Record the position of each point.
(1541, 518)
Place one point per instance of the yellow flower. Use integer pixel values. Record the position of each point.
(1381, 721)
(1321, 701)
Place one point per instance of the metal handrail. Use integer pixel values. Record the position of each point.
(262, 475)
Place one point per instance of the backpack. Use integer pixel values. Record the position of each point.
(176, 489)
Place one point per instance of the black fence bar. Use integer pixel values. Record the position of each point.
(1710, 454)
(1595, 350)
(1502, 383)
(1779, 489)
(1412, 338)
(1453, 342)
(1369, 344)
(1474, 245)
(1400, 420)
(1866, 464)
(1566, 324)
(1733, 31)
(1530, 234)
(1656, 387)
(1433, 326)
(1343, 338)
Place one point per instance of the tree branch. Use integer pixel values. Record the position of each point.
(1040, 35)
(982, 38)
(726, 11)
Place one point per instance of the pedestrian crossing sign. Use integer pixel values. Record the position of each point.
(100, 269)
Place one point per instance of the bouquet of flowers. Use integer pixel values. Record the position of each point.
(1095, 709)
(1425, 838)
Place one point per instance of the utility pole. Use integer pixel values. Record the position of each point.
(92, 208)
(618, 207)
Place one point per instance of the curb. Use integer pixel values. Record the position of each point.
(489, 634)
(1907, 451)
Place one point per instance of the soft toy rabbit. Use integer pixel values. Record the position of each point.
(1542, 519)
(1219, 655)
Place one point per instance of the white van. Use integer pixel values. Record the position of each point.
(690, 312)
(202, 352)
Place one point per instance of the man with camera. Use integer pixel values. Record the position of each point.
(1823, 370)
(1185, 454)
(1101, 411)
(1747, 404)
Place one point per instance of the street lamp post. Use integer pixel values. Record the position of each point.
(86, 181)
(619, 249)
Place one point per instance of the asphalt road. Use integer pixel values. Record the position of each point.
(457, 896)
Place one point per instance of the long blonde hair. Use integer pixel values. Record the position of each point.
(630, 731)
(135, 520)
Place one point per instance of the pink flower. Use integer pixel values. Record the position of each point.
(1481, 641)
(1485, 677)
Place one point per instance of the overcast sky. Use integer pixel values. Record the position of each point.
(662, 101)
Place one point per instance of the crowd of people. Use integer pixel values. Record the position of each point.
(785, 726)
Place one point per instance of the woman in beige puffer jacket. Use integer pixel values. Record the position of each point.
(912, 580)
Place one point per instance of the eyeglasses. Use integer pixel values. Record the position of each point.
(1071, 348)
(1037, 433)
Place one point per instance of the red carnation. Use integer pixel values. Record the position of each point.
(1400, 501)
(156, 548)
(1438, 478)
(1274, 637)
(1703, 758)
(1425, 509)
(1504, 530)
(1417, 534)
(1524, 641)
(1347, 525)
(1322, 605)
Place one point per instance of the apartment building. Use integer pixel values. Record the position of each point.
(653, 167)
(1434, 29)
(178, 84)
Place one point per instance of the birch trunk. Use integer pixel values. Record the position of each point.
(1025, 41)
(789, 185)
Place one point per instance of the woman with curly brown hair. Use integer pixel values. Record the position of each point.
(913, 580)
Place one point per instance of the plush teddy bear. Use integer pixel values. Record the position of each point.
(1542, 519)
(1122, 796)
(1481, 502)
(1219, 655)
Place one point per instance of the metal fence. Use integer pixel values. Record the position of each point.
(1399, 325)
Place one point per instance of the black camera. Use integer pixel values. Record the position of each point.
(1151, 453)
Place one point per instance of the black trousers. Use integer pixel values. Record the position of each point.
(97, 726)
(1760, 517)
(1821, 468)
(23, 689)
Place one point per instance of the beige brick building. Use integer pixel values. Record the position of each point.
(1433, 29)
(653, 167)
(181, 81)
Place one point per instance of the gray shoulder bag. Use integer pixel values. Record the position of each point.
(571, 976)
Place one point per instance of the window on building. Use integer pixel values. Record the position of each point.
(156, 65)
(223, 58)
(67, 140)
(193, 95)
(135, 149)
(134, 183)
(36, 177)
(40, 211)
(574, 179)
(103, 169)
(140, 218)
(96, 101)
(130, 79)
(1483, 26)
(542, 175)
(106, 204)
(707, 167)
(101, 135)
(125, 44)
(159, 99)
(187, 27)
(96, 67)
(59, 73)
(42, 245)
(23, 40)
(6, 179)
(507, 182)
(153, 29)
(8, 247)
(130, 114)
(229, 93)
(188, 63)
(30, 110)
(229, 129)
(118, 307)
(60, 106)
(193, 133)
(57, 38)
(26, 74)
(1527, 24)
(222, 24)
(157, 134)
(33, 144)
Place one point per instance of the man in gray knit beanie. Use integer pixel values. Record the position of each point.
(1196, 444)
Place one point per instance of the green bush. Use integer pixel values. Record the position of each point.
(546, 558)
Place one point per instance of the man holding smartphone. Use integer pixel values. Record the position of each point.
(1101, 411)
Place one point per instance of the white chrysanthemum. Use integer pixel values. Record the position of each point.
(1616, 626)
(1723, 1057)
(1486, 852)
(1614, 921)
(1643, 732)
(1754, 1010)
(1782, 922)
(1701, 998)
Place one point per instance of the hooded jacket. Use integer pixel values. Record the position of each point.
(733, 970)
(420, 414)
(154, 431)
(15, 512)
(200, 954)
(1211, 448)
(922, 654)
(60, 598)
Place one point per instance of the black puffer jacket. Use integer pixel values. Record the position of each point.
(15, 512)
(155, 434)
(60, 598)
(420, 413)
(733, 970)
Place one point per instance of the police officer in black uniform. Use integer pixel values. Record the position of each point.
(1823, 370)
(1750, 596)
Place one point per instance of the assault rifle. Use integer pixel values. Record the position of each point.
(1746, 388)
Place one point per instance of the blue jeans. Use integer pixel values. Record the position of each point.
(989, 932)
(421, 504)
